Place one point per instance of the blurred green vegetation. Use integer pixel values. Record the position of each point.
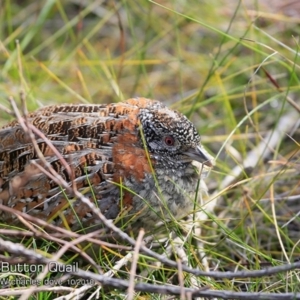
(215, 61)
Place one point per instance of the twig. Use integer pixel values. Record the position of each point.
(134, 264)
(18, 249)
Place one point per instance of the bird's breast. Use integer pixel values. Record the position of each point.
(162, 196)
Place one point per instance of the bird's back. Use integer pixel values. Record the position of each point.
(77, 142)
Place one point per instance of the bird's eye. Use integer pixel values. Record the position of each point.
(169, 140)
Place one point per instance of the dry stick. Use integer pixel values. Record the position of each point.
(58, 237)
(24, 107)
(75, 236)
(20, 291)
(36, 233)
(30, 129)
(68, 245)
(63, 232)
(112, 272)
(7, 110)
(180, 279)
(76, 293)
(56, 257)
(135, 258)
(41, 156)
(18, 249)
(276, 224)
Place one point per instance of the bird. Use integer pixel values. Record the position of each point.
(134, 159)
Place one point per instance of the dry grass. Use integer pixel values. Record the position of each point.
(232, 68)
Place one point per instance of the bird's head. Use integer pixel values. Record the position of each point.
(171, 138)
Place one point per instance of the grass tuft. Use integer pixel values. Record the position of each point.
(233, 69)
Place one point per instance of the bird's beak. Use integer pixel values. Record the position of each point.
(199, 154)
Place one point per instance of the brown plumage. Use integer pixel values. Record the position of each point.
(134, 156)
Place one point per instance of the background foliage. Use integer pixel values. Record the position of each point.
(231, 66)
